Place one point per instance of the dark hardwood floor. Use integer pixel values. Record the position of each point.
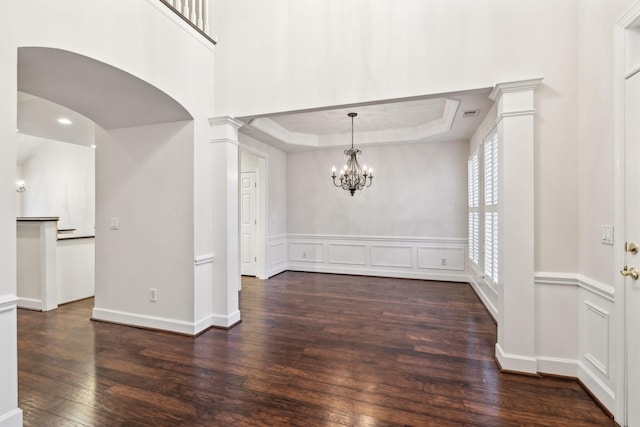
(312, 350)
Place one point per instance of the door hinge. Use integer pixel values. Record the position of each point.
(255, 184)
(255, 221)
(255, 258)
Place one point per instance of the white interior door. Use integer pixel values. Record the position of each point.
(632, 257)
(248, 224)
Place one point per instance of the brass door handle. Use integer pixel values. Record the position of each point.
(632, 272)
(631, 247)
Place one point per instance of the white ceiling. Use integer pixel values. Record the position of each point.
(422, 119)
(39, 117)
(110, 97)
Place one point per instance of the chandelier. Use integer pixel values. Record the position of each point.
(352, 176)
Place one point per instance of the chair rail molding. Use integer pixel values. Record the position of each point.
(438, 258)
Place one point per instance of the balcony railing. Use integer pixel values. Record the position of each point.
(194, 12)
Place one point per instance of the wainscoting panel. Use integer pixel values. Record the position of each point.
(570, 306)
(441, 258)
(392, 256)
(408, 257)
(347, 253)
(597, 333)
(276, 255)
(306, 252)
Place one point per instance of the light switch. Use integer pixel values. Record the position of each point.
(115, 223)
(607, 235)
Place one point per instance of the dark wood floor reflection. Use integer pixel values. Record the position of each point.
(312, 350)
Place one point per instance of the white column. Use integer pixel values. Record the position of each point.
(49, 236)
(226, 221)
(515, 349)
(10, 414)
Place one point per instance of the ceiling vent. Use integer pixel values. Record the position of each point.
(471, 114)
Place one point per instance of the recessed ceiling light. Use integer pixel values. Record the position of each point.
(93, 145)
(64, 121)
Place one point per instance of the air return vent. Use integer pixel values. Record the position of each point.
(471, 114)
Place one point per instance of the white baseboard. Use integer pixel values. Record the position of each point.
(225, 321)
(30, 303)
(12, 418)
(557, 366)
(143, 321)
(217, 321)
(319, 268)
(164, 324)
(484, 298)
(276, 269)
(516, 362)
(604, 394)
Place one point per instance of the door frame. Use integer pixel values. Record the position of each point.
(621, 30)
(262, 189)
(255, 234)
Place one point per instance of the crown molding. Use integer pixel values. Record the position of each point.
(517, 86)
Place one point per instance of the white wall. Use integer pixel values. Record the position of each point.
(275, 178)
(75, 268)
(595, 133)
(411, 222)
(60, 181)
(277, 184)
(160, 50)
(371, 50)
(248, 161)
(418, 190)
(144, 178)
(19, 196)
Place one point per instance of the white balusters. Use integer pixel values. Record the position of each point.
(196, 11)
(200, 23)
(205, 16)
(193, 17)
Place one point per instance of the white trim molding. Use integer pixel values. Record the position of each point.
(598, 387)
(144, 321)
(388, 256)
(593, 305)
(515, 362)
(30, 303)
(8, 303)
(204, 259)
(276, 254)
(12, 418)
(488, 294)
(570, 279)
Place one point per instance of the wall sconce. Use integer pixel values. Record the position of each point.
(20, 187)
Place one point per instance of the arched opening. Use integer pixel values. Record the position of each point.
(143, 181)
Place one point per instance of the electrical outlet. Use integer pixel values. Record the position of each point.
(443, 261)
(153, 295)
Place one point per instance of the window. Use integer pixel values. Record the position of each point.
(491, 249)
(483, 208)
(474, 214)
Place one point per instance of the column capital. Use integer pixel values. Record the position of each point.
(514, 98)
(517, 86)
(224, 129)
(225, 121)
